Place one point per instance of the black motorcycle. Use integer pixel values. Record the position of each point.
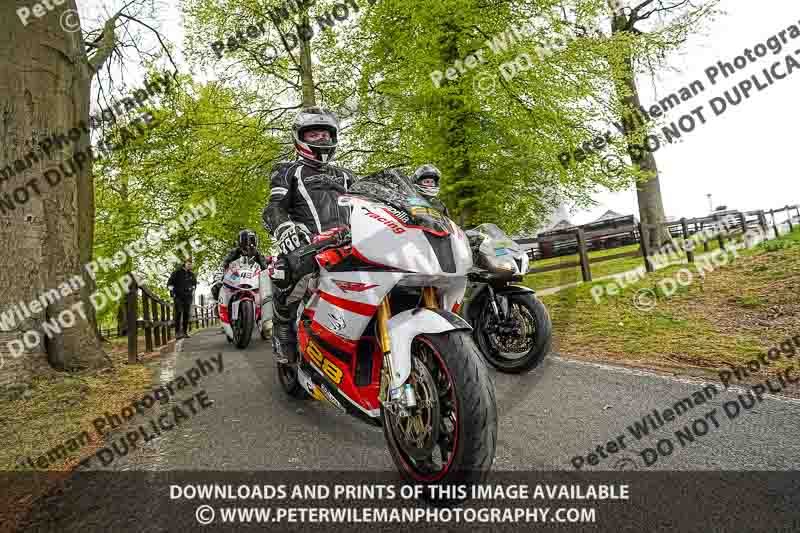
(510, 325)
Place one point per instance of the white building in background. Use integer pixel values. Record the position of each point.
(608, 215)
(558, 219)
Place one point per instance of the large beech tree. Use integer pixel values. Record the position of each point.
(45, 81)
(637, 49)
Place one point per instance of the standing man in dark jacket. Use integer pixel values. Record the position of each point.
(303, 202)
(181, 286)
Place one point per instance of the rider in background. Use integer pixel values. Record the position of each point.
(303, 202)
(426, 179)
(247, 246)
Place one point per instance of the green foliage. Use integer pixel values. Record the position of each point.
(774, 246)
(199, 147)
(786, 240)
(498, 144)
(498, 147)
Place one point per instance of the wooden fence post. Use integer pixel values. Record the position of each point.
(774, 226)
(170, 320)
(133, 323)
(789, 219)
(645, 247)
(586, 272)
(743, 222)
(148, 325)
(706, 246)
(164, 326)
(122, 316)
(686, 246)
(762, 220)
(156, 323)
(720, 235)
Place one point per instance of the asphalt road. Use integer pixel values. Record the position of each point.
(241, 424)
(564, 409)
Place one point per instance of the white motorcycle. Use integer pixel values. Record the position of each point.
(379, 340)
(245, 301)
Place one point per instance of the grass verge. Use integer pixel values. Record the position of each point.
(56, 408)
(566, 276)
(720, 319)
(59, 406)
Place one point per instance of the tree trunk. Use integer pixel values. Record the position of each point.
(648, 193)
(45, 239)
(306, 67)
(464, 192)
(122, 317)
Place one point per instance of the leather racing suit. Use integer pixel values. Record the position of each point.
(307, 195)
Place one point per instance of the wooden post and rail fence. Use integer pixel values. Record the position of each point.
(684, 228)
(157, 315)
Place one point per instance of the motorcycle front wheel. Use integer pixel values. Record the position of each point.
(287, 375)
(450, 437)
(243, 329)
(525, 348)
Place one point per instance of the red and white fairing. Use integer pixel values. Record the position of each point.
(343, 300)
(249, 279)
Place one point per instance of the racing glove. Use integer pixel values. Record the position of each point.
(290, 237)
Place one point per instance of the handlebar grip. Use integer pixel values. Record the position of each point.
(311, 250)
(334, 242)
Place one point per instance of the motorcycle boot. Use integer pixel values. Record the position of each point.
(284, 341)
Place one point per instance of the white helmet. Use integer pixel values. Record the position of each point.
(427, 172)
(314, 118)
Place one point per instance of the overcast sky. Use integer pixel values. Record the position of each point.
(742, 158)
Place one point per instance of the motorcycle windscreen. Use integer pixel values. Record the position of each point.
(243, 273)
(404, 201)
(423, 241)
(498, 252)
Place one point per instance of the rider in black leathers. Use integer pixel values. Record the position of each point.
(247, 245)
(303, 202)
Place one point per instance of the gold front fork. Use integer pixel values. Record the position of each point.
(429, 298)
(384, 314)
(382, 327)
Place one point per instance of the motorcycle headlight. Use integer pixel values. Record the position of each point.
(503, 263)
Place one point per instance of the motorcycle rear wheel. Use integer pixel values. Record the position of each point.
(451, 437)
(536, 326)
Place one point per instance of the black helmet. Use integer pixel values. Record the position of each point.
(315, 118)
(427, 172)
(248, 241)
